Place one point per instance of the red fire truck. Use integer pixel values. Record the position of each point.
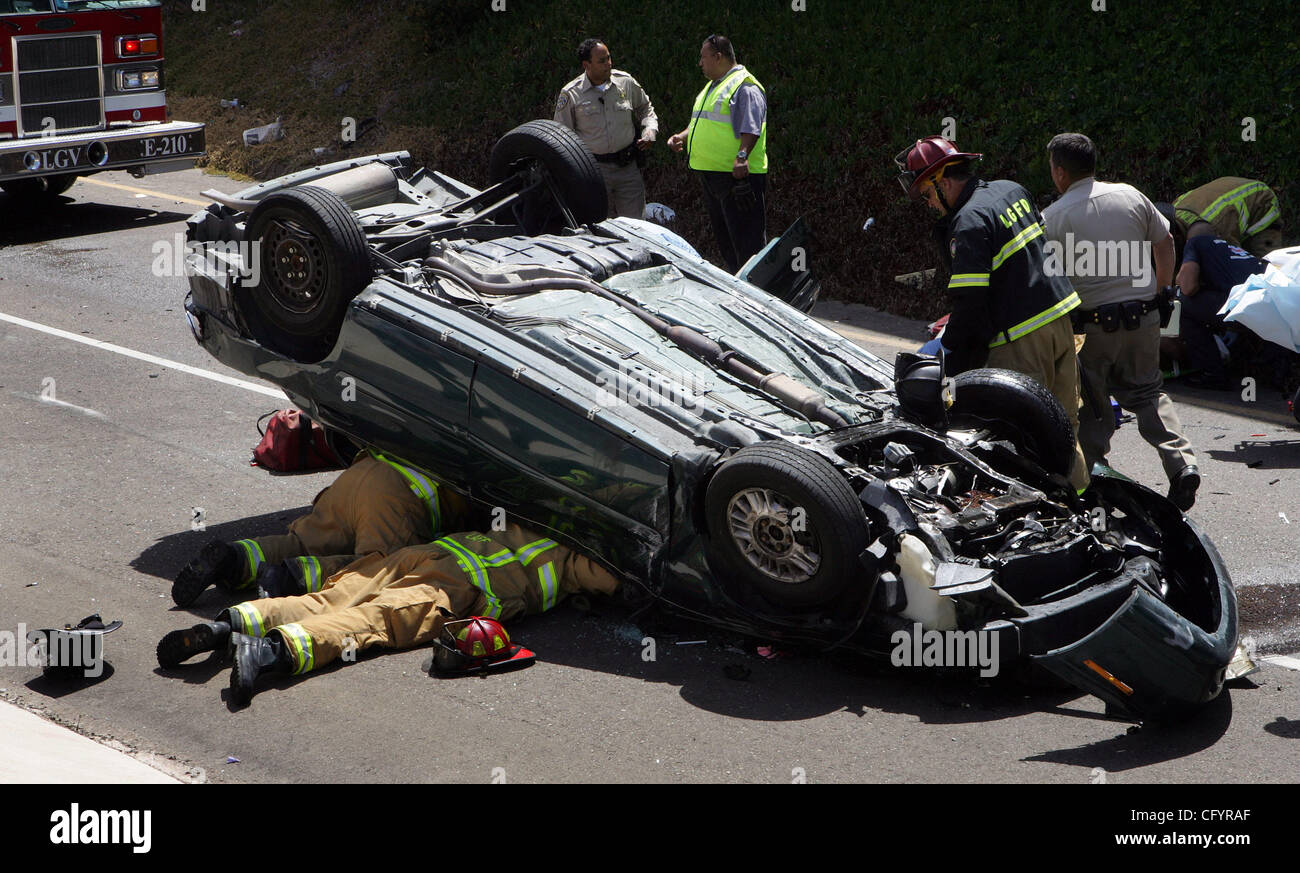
(81, 91)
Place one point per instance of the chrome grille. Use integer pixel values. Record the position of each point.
(59, 78)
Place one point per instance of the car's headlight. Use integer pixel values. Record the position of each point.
(136, 80)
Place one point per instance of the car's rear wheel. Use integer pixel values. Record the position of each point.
(782, 521)
(43, 189)
(312, 259)
(1295, 405)
(556, 151)
(1018, 409)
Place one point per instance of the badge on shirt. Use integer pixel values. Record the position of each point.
(561, 103)
(952, 247)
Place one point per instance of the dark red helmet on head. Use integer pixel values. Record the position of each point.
(926, 157)
(477, 643)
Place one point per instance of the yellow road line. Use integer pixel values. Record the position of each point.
(134, 190)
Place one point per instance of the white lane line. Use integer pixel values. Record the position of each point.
(142, 356)
(1290, 662)
(84, 410)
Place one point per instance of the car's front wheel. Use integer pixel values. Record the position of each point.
(1018, 409)
(312, 259)
(782, 521)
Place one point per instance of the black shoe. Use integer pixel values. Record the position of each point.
(1182, 490)
(217, 564)
(181, 645)
(278, 580)
(254, 657)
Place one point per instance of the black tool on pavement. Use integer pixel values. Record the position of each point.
(72, 651)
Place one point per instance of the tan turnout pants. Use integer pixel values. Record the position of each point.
(1047, 354)
(370, 509)
(403, 599)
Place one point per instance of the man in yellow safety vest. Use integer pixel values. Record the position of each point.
(726, 144)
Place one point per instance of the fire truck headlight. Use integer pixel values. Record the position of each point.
(135, 80)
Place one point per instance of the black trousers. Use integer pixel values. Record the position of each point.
(736, 208)
(1197, 325)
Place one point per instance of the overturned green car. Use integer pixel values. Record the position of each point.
(734, 459)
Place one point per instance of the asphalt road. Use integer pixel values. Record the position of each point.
(106, 456)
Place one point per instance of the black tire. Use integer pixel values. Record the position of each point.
(566, 159)
(41, 190)
(1016, 408)
(758, 550)
(313, 260)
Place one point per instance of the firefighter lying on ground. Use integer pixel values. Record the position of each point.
(376, 506)
(395, 601)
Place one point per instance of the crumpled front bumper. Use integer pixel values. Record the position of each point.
(1146, 658)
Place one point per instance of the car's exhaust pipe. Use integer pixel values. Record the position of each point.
(807, 401)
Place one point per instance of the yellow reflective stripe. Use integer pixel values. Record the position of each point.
(526, 553)
(1269, 218)
(1018, 242)
(1033, 323)
(300, 644)
(500, 559)
(250, 620)
(546, 579)
(425, 488)
(727, 88)
(1236, 197)
(473, 565)
(253, 558)
(712, 116)
(968, 280)
(310, 573)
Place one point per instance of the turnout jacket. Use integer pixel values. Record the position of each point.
(992, 242)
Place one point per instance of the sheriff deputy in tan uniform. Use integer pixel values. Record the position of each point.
(393, 601)
(604, 106)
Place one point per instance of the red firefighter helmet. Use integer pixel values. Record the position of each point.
(477, 643)
(927, 156)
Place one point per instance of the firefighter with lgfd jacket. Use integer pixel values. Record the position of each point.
(1007, 310)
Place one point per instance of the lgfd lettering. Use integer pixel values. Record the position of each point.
(1016, 211)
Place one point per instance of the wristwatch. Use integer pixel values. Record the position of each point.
(742, 155)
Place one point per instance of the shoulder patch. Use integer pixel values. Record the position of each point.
(561, 102)
(952, 247)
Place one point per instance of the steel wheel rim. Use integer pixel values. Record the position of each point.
(759, 522)
(294, 261)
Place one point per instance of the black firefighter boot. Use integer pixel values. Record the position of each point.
(217, 564)
(278, 580)
(181, 645)
(256, 657)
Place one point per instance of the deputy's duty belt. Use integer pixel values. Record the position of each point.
(621, 157)
(1111, 316)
